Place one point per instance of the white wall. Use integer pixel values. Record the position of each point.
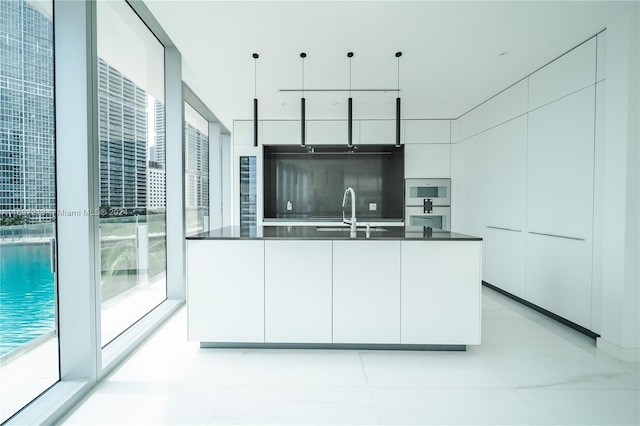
(620, 225)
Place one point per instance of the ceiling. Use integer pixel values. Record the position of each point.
(451, 59)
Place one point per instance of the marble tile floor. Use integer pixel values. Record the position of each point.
(529, 370)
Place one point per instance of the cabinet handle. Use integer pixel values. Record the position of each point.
(558, 236)
(504, 229)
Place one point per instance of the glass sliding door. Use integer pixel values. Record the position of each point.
(132, 160)
(29, 361)
(196, 140)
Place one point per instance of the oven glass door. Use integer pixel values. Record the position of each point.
(436, 190)
(439, 218)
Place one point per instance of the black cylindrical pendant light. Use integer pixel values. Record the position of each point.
(350, 108)
(398, 122)
(398, 54)
(303, 136)
(255, 99)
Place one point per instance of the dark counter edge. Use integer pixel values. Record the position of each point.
(310, 233)
(341, 346)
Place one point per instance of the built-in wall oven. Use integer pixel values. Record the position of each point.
(428, 203)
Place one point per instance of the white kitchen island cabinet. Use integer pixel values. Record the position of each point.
(366, 292)
(307, 287)
(297, 291)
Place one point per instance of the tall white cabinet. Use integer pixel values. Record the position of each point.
(523, 179)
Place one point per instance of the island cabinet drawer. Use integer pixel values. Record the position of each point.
(297, 280)
(225, 290)
(441, 292)
(366, 292)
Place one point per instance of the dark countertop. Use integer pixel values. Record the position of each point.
(329, 233)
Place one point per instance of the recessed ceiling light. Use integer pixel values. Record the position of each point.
(284, 104)
(503, 55)
(336, 103)
(442, 103)
(364, 103)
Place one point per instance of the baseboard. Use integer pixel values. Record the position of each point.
(550, 314)
(623, 354)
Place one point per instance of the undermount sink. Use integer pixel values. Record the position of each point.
(347, 229)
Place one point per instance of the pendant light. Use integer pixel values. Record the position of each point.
(398, 54)
(303, 139)
(350, 108)
(255, 99)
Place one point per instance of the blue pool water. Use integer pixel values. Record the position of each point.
(27, 298)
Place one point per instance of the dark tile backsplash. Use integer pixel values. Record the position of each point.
(314, 182)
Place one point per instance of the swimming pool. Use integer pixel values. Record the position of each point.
(27, 294)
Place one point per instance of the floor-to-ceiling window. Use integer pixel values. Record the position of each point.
(196, 141)
(131, 115)
(28, 324)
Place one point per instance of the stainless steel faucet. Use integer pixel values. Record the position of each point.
(352, 221)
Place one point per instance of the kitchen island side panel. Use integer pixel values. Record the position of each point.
(225, 291)
(441, 292)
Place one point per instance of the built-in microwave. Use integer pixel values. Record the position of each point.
(427, 192)
(436, 217)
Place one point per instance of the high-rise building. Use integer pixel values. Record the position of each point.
(196, 168)
(122, 108)
(159, 129)
(156, 186)
(27, 184)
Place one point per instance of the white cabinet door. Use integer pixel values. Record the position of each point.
(569, 73)
(506, 175)
(473, 122)
(504, 254)
(379, 132)
(281, 132)
(559, 276)
(427, 131)
(468, 186)
(331, 132)
(243, 132)
(601, 56)
(297, 291)
(441, 292)
(427, 161)
(560, 166)
(508, 104)
(225, 290)
(366, 292)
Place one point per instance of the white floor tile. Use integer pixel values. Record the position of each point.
(556, 367)
(587, 407)
(133, 403)
(565, 332)
(411, 406)
(295, 405)
(301, 367)
(429, 369)
(518, 332)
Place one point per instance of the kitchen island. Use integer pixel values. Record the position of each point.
(304, 286)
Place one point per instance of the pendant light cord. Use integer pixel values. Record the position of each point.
(350, 57)
(398, 76)
(255, 78)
